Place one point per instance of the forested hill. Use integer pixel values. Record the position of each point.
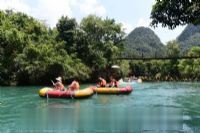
(143, 41)
(189, 38)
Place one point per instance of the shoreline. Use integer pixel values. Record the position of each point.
(143, 81)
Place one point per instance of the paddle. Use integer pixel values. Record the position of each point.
(52, 82)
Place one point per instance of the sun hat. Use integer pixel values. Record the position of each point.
(59, 79)
(115, 66)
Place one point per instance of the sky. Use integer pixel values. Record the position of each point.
(130, 13)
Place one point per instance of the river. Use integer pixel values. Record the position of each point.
(146, 96)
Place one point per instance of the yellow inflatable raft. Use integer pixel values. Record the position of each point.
(107, 90)
(50, 92)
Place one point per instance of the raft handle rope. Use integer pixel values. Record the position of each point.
(71, 94)
(47, 94)
(96, 92)
(95, 89)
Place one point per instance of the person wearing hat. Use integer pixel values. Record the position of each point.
(59, 85)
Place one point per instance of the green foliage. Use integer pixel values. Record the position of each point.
(12, 42)
(125, 68)
(194, 51)
(42, 63)
(173, 49)
(169, 70)
(190, 69)
(172, 13)
(67, 29)
(143, 42)
(155, 70)
(190, 37)
(100, 41)
(33, 54)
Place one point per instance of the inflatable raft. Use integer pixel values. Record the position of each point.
(50, 92)
(107, 90)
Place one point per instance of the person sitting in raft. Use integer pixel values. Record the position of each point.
(113, 82)
(59, 85)
(102, 82)
(74, 86)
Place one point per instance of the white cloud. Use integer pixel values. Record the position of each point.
(153, 2)
(90, 7)
(127, 27)
(143, 22)
(16, 5)
(46, 10)
(51, 10)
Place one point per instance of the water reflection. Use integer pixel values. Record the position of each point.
(191, 108)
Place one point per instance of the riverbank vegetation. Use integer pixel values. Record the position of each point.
(169, 70)
(32, 53)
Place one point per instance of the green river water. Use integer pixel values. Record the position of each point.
(146, 96)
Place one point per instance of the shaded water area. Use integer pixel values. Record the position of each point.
(183, 96)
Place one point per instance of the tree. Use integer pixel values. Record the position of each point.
(172, 13)
(67, 32)
(100, 41)
(190, 68)
(194, 51)
(173, 49)
(40, 63)
(124, 68)
(137, 68)
(12, 43)
(31, 54)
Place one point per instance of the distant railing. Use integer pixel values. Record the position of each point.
(157, 58)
